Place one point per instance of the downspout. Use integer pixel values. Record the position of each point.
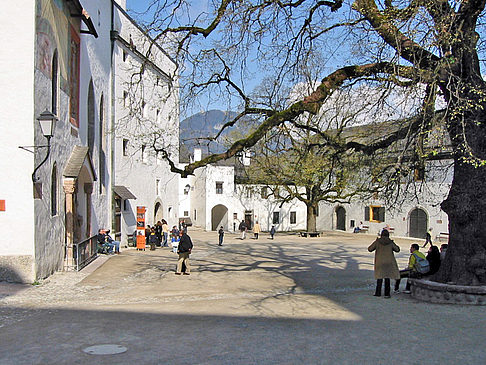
(113, 117)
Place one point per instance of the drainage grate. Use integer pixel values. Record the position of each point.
(108, 349)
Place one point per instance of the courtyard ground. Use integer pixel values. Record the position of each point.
(290, 300)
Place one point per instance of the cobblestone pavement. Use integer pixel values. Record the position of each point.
(283, 301)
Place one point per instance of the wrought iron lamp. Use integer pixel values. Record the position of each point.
(47, 122)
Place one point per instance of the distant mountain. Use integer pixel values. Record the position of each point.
(194, 129)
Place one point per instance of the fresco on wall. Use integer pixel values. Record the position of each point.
(52, 33)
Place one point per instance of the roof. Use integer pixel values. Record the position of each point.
(123, 192)
(77, 11)
(76, 162)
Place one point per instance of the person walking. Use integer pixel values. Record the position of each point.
(256, 230)
(386, 266)
(243, 227)
(428, 238)
(184, 250)
(221, 235)
(272, 232)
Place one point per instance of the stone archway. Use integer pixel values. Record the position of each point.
(417, 223)
(219, 217)
(341, 218)
(158, 212)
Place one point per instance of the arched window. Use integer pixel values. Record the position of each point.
(101, 146)
(54, 190)
(91, 117)
(54, 82)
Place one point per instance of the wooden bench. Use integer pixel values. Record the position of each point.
(442, 236)
(364, 229)
(310, 234)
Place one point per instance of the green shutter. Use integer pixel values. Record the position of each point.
(367, 214)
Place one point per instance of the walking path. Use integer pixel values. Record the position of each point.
(284, 301)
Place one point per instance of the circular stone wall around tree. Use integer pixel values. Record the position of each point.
(433, 292)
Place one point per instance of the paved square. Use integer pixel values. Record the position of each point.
(290, 300)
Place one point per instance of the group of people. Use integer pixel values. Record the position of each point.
(386, 267)
(106, 243)
(243, 228)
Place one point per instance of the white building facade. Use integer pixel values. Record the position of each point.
(65, 59)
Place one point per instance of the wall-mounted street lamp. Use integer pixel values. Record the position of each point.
(47, 122)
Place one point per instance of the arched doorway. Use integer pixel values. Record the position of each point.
(158, 212)
(341, 218)
(418, 223)
(219, 217)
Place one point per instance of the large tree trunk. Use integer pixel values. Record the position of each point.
(311, 217)
(465, 262)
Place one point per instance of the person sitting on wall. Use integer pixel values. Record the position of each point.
(410, 271)
(104, 239)
(443, 250)
(433, 257)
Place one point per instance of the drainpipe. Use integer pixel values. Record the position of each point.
(113, 116)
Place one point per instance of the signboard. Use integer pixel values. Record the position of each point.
(141, 228)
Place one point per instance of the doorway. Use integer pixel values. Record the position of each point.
(418, 223)
(341, 218)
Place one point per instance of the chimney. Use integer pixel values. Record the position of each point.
(197, 154)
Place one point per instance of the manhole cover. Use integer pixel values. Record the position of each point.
(105, 349)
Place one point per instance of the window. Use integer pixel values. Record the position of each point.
(195, 215)
(125, 204)
(91, 117)
(186, 213)
(219, 187)
(157, 183)
(248, 192)
(125, 99)
(54, 190)
(74, 78)
(276, 218)
(293, 217)
(54, 83)
(375, 213)
(101, 146)
(235, 215)
(186, 189)
(144, 153)
(264, 192)
(157, 112)
(124, 56)
(144, 109)
(419, 174)
(125, 147)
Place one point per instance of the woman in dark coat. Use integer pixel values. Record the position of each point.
(433, 257)
(385, 264)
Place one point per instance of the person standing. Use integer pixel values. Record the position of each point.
(221, 235)
(158, 232)
(256, 230)
(165, 233)
(153, 240)
(386, 266)
(184, 250)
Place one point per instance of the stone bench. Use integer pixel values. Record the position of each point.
(442, 236)
(431, 291)
(310, 234)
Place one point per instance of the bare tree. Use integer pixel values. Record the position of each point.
(432, 47)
